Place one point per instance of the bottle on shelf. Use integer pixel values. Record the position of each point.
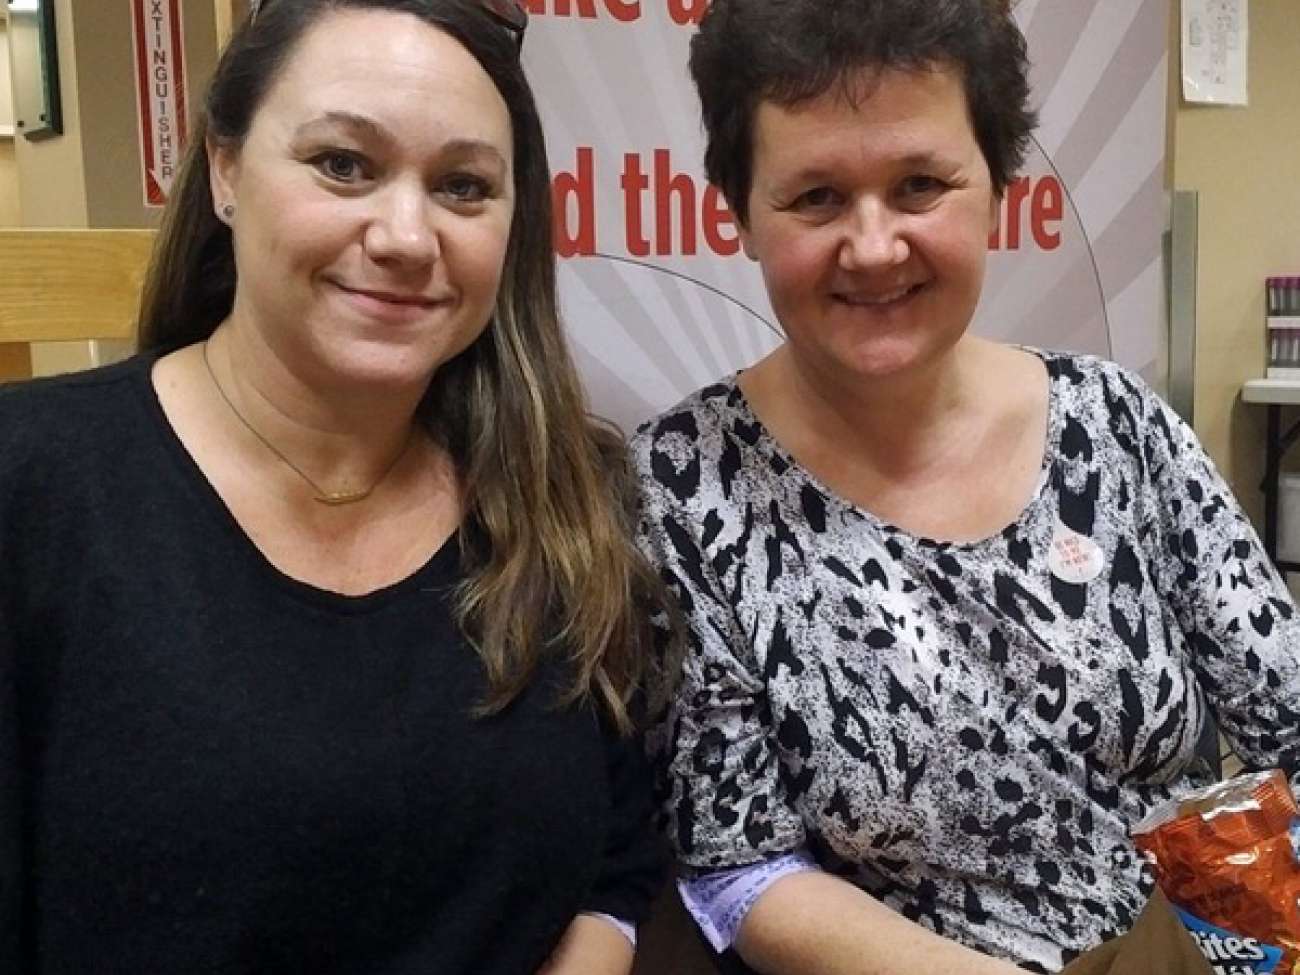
(1282, 326)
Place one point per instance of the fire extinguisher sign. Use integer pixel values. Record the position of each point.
(160, 86)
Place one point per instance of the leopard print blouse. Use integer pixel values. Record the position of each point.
(958, 730)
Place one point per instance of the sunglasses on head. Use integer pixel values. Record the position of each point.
(510, 14)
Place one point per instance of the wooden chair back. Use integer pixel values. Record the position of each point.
(71, 285)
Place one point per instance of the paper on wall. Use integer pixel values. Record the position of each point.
(1215, 46)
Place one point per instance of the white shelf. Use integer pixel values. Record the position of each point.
(1283, 392)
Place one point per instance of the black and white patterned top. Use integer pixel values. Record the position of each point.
(951, 726)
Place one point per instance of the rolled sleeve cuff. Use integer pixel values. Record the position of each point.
(626, 928)
(719, 901)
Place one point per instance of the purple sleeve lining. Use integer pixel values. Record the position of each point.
(719, 901)
(627, 928)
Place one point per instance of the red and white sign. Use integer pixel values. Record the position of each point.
(160, 87)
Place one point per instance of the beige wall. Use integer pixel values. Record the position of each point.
(52, 185)
(90, 176)
(10, 210)
(109, 128)
(229, 14)
(51, 180)
(1245, 164)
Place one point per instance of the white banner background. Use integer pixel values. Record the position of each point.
(659, 302)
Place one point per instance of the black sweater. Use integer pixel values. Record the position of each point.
(207, 766)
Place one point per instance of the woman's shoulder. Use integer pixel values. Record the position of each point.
(699, 441)
(1111, 410)
(72, 389)
(1097, 392)
(695, 423)
(69, 412)
(1086, 373)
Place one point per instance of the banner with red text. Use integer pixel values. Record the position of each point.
(659, 300)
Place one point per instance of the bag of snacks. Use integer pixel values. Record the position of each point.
(1226, 858)
(1157, 945)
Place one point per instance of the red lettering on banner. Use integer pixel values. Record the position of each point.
(685, 12)
(668, 185)
(1016, 194)
(714, 216)
(573, 200)
(680, 211)
(634, 183)
(624, 11)
(1046, 207)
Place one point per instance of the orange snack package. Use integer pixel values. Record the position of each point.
(1226, 858)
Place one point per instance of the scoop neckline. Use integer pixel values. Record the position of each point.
(1037, 499)
(436, 572)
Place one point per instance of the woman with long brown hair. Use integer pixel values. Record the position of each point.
(319, 624)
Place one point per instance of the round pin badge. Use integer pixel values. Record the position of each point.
(1074, 558)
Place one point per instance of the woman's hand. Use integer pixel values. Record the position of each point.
(590, 946)
(817, 924)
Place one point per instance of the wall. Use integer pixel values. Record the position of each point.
(51, 183)
(109, 127)
(51, 178)
(10, 208)
(90, 176)
(10, 211)
(1245, 164)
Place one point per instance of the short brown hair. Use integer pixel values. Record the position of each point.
(789, 51)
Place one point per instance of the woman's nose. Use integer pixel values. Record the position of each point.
(873, 238)
(403, 228)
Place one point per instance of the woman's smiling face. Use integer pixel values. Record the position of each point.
(373, 200)
(869, 217)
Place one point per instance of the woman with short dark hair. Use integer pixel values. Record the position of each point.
(957, 610)
(320, 619)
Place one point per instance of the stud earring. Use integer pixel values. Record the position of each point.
(227, 210)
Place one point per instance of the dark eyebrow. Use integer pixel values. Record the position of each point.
(368, 129)
(357, 125)
(916, 160)
(927, 160)
(474, 149)
(813, 174)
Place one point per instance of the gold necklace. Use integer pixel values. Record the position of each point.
(332, 498)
